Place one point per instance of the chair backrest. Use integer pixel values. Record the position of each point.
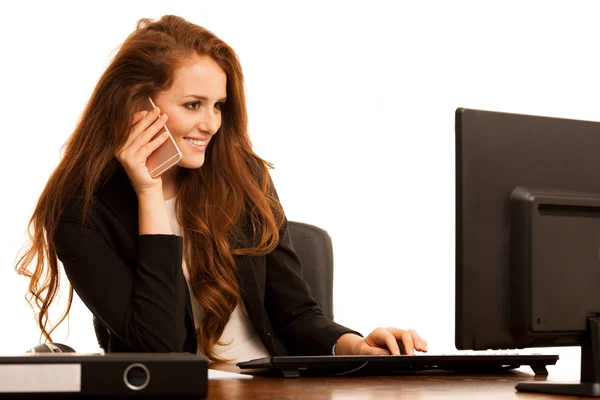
(314, 248)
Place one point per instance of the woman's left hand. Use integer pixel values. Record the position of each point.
(381, 341)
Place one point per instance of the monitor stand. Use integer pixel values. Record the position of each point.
(589, 385)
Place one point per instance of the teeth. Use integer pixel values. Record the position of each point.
(196, 141)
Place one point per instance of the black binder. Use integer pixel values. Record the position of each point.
(116, 374)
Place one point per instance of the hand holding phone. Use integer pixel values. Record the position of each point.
(146, 137)
(167, 155)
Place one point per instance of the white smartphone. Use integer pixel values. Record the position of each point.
(167, 155)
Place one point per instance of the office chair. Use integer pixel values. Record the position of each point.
(315, 250)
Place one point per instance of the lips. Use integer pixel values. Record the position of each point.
(196, 141)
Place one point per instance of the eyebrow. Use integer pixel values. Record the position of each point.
(204, 98)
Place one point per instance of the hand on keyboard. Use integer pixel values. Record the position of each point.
(381, 341)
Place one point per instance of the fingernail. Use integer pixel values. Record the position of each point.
(156, 110)
(164, 116)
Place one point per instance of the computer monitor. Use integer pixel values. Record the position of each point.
(513, 286)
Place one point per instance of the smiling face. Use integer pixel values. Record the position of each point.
(193, 104)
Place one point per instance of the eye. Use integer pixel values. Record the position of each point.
(220, 105)
(194, 105)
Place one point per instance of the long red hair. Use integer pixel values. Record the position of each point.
(226, 208)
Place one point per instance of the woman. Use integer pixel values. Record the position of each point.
(198, 259)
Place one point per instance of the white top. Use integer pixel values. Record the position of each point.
(242, 343)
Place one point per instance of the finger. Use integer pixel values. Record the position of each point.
(409, 344)
(373, 350)
(420, 343)
(383, 338)
(147, 149)
(141, 126)
(149, 134)
(136, 117)
(406, 338)
(378, 351)
(390, 341)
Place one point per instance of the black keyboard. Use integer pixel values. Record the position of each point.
(294, 366)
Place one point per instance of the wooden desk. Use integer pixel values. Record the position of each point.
(424, 386)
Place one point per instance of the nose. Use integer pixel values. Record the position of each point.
(210, 122)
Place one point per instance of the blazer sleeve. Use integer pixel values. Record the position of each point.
(142, 303)
(297, 319)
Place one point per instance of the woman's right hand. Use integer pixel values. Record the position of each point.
(139, 145)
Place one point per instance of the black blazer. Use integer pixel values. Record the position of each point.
(135, 287)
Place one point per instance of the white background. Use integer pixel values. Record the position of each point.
(352, 101)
